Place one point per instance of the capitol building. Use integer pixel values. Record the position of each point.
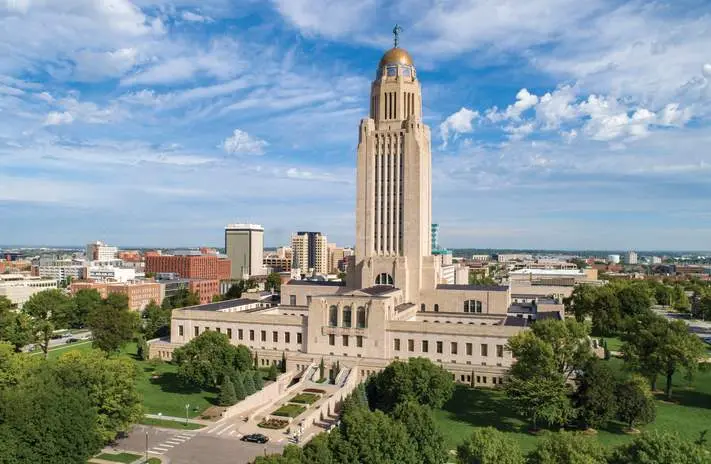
(396, 302)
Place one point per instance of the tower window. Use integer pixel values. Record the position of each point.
(384, 279)
(347, 312)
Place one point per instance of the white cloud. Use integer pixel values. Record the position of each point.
(457, 123)
(241, 143)
(521, 131)
(55, 118)
(93, 66)
(195, 17)
(671, 115)
(557, 107)
(707, 70)
(325, 17)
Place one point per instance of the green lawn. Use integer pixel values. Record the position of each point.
(614, 343)
(121, 457)
(289, 410)
(61, 349)
(170, 424)
(305, 398)
(153, 461)
(689, 415)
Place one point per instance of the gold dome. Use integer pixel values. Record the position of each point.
(396, 56)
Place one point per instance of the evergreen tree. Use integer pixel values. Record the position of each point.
(272, 371)
(248, 382)
(256, 361)
(227, 396)
(283, 362)
(141, 348)
(258, 381)
(238, 386)
(321, 370)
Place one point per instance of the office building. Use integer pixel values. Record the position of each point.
(139, 293)
(310, 253)
(191, 266)
(244, 246)
(631, 257)
(99, 251)
(19, 288)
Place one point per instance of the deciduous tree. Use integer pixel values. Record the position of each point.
(273, 282)
(157, 320)
(635, 404)
(48, 310)
(86, 300)
(112, 324)
(487, 445)
(659, 448)
(541, 398)
(208, 358)
(567, 448)
(422, 429)
(595, 397)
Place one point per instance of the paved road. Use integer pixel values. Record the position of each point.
(216, 445)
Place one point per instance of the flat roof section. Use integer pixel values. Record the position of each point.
(485, 288)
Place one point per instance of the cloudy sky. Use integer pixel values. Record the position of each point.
(555, 123)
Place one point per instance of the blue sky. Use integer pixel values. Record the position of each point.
(555, 124)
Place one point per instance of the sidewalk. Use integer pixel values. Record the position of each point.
(180, 419)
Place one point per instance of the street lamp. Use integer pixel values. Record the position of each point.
(187, 406)
(146, 446)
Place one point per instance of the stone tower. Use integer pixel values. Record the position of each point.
(394, 200)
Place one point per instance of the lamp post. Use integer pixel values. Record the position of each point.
(187, 407)
(146, 446)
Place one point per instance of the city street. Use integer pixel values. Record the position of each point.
(213, 445)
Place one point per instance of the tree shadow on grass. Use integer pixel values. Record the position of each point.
(484, 407)
(687, 397)
(169, 382)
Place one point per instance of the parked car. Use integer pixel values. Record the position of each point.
(708, 340)
(255, 438)
(72, 340)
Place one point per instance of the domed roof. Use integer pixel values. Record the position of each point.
(396, 55)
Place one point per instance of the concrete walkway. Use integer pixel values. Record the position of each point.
(180, 419)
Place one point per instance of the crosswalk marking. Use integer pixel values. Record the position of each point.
(169, 443)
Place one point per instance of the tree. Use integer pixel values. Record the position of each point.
(317, 451)
(282, 365)
(567, 448)
(142, 351)
(643, 338)
(369, 437)
(595, 397)
(489, 446)
(273, 282)
(48, 310)
(110, 384)
(15, 328)
(321, 370)
(659, 448)
(272, 372)
(240, 394)
(216, 298)
(248, 382)
(569, 341)
(256, 360)
(581, 302)
(116, 301)
(635, 404)
(227, 396)
(422, 429)
(606, 312)
(207, 359)
(46, 422)
(243, 358)
(634, 300)
(157, 320)
(235, 290)
(258, 381)
(679, 350)
(86, 300)
(292, 455)
(112, 325)
(541, 398)
(418, 379)
(704, 307)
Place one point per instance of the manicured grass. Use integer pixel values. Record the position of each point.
(170, 424)
(614, 343)
(289, 410)
(61, 349)
(153, 461)
(121, 457)
(688, 415)
(305, 398)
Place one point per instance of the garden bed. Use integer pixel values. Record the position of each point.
(289, 410)
(314, 390)
(274, 424)
(305, 398)
(120, 457)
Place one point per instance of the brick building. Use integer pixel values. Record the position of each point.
(206, 289)
(191, 266)
(139, 293)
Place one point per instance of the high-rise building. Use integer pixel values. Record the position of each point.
(310, 252)
(613, 259)
(435, 237)
(99, 251)
(631, 257)
(336, 259)
(244, 246)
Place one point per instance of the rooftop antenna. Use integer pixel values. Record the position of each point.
(396, 33)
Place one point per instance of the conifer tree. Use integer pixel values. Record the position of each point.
(227, 396)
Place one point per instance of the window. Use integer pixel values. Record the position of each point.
(499, 351)
(392, 71)
(384, 279)
(425, 346)
(345, 340)
(436, 308)
(483, 379)
(229, 334)
(218, 329)
(411, 345)
(180, 330)
(251, 335)
(484, 349)
(264, 335)
(360, 318)
(308, 300)
(359, 341)
(287, 337)
(347, 313)
(439, 347)
(197, 331)
(472, 306)
(292, 300)
(397, 344)
(333, 316)
(275, 336)
(454, 347)
(469, 349)
(240, 334)
(331, 339)
(423, 308)
(298, 337)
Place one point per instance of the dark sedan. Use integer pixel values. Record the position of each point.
(255, 438)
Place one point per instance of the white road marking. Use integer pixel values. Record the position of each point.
(175, 442)
(155, 452)
(225, 429)
(161, 448)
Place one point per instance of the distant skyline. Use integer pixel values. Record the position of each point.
(555, 124)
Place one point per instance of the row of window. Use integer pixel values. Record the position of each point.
(240, 334)
(470, 306)
(481, 379)
(347, 317)
(345, 340)
(453, 347)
